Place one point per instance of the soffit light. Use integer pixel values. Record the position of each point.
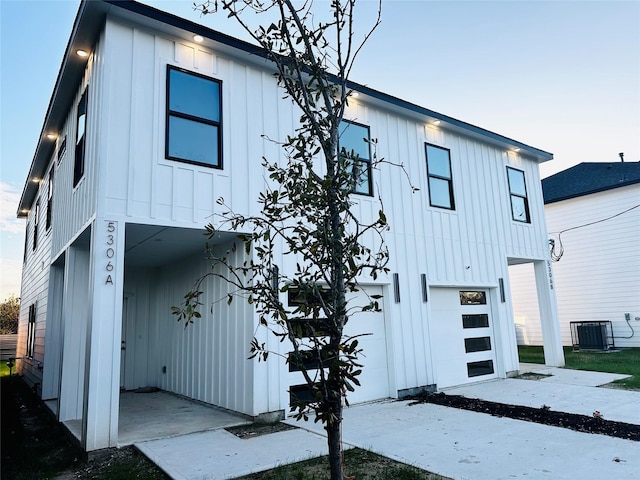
(355, 94)
(35, 180)
(51, 136)
(516, 149)
(81, 53)
(198, 38)
(436, 122)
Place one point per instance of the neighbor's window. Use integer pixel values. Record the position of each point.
(81, 130)
(31, 330)
(50, 199)
(440, 178)
(36, 222)
(194, 127)
(518, 192)
(354, 145)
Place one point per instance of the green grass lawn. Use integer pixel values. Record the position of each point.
(625, 361)
(4, 370)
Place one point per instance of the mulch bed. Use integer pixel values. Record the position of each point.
(543, 415)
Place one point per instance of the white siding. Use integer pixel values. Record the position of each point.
(598, 277)
(75, 206)
(208, 359)
(35, 285)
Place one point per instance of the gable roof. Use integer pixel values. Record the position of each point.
(87, 26)
(589, 177)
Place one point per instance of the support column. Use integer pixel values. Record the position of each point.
(551, 339)
(75, 311)
(102, 385)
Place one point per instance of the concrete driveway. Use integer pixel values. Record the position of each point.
(454, 443)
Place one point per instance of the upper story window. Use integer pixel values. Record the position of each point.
(50, 199)
(36, 221)
(194, 118)
(355, 145)
(81, 130)
(440, 178)
(518, 193)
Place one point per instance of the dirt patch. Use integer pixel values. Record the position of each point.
(543, 415)
(35, 446)
(532, 376)
(253, 430)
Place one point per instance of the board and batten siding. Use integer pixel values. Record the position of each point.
(466, 247)
(74, 207)
(598, 277)
(206, 360)
(144, 187)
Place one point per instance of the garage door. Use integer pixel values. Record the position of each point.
(462, 337)
(374, 378)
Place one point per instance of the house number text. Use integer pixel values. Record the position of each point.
(550, 274)
(110, 252)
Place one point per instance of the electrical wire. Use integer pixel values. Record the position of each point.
(557, 249)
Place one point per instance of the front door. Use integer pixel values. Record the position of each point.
(462, 336)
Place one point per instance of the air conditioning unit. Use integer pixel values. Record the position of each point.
(592, 335)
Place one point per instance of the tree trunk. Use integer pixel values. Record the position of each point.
(334, 441)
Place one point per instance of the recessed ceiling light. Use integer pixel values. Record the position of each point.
(35, 180)
(81, 53)
(355, 94)
(436, 122)
(516, 149)
(198, 38)
(51, 136)
(24, 210)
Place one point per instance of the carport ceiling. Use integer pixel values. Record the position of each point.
(154, 246)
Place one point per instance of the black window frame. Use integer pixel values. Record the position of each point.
(431, 175)
(359, 160)
(36, 224)
(177, 114)
(524, 197)
(31, 331)
(79, 160)
(49, 219)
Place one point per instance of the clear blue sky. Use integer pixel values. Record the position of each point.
(560, 76)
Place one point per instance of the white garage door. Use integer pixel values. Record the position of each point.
(374, 378)
(462, 337)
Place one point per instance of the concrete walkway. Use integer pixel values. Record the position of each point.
(454, 443)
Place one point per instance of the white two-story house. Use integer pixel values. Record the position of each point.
(146, 128)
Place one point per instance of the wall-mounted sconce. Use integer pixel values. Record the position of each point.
(275, 279)
(425, 290)
(396, 288)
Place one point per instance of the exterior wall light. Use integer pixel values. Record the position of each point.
(436, 122)
(81, 53)
(51, 136)
(198, 38)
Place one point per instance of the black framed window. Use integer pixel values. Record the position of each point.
(477, 369)
(31, 330)
(477, 344)
(355, 146)
(518, 194)
(50, 199)
(440, 177)
(81, 134)
(479, 320)
(36, 224)
(194, 118)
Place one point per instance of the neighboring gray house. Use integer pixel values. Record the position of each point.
(593, 214)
